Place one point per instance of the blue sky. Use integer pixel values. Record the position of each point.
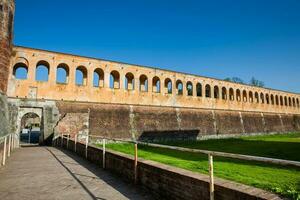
(219, 39)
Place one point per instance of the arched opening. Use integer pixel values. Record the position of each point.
(238, 95)
(143, 83)
(189, 88)
(251, 97)
(20, 71)
(262, 98)
(245, 96)
(179, 87)
(30, 128)
(281, 100)
(156, 84)
(231, 94)
(207, 91)
(168, 86)
(129, 81)
(277, 100)
(216, 92)
(272, 99)
(256, 97)
(290, 101)
(42, 71)
(98, 79)
(294, 102)
(298, 103)
(285, 101)
(114, 81)
(267, 99)
(224, 93)
(199, 89)
(62, 73)
(81, 76)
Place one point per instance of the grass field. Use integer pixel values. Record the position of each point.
(282, 180)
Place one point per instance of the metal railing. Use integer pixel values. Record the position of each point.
(210, 155)
(10, 142)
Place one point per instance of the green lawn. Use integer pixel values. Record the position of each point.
(279, 179)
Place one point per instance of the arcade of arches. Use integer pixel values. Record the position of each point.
(66, 77)
(128, 101)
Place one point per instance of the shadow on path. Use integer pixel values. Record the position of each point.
(129, 190)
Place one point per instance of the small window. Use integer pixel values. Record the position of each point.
(20, 71)
(216, 92)
(114, 82)
(168, 86)
(199, 89)
(207, 91)
(62, 73)
(98, 80)
(179, 87)
(156, 85)
(143, 83)
(189, 88)
(129, 81)
(42, 71)
(81, 76)
(224, 93)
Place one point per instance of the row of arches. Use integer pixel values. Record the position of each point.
(20, 71)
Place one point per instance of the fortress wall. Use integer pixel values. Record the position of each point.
(289, 122)
(110, 121)
(145, 86)
(253, 122)
(159, 123)
(228, 122)
(297, 122)
(273, 123)
(4, 129)
(198, 119)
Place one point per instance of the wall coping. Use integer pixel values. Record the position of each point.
(219, 182)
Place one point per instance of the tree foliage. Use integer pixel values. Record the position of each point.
(253, 81)
(234, 80)
(256, 82)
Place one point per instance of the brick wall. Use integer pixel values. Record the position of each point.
(6, 32)
(73, 123)
(167, 182)
(142, 122)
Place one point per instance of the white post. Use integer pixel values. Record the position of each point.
(103, 155)
(75, 143)
(9, 146)
(4, 152)
(211, 177)
(86, 146)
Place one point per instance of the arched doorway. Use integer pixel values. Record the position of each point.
(30, 128)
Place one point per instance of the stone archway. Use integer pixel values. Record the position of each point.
(30, 128)
(30, 119)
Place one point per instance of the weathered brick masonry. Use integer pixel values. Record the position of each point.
(152, 122)
(167, 182)
(6, 33)
(7, 8)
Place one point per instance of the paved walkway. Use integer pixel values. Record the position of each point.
(49, 173)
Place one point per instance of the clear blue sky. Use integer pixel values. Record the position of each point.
(220, 39)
